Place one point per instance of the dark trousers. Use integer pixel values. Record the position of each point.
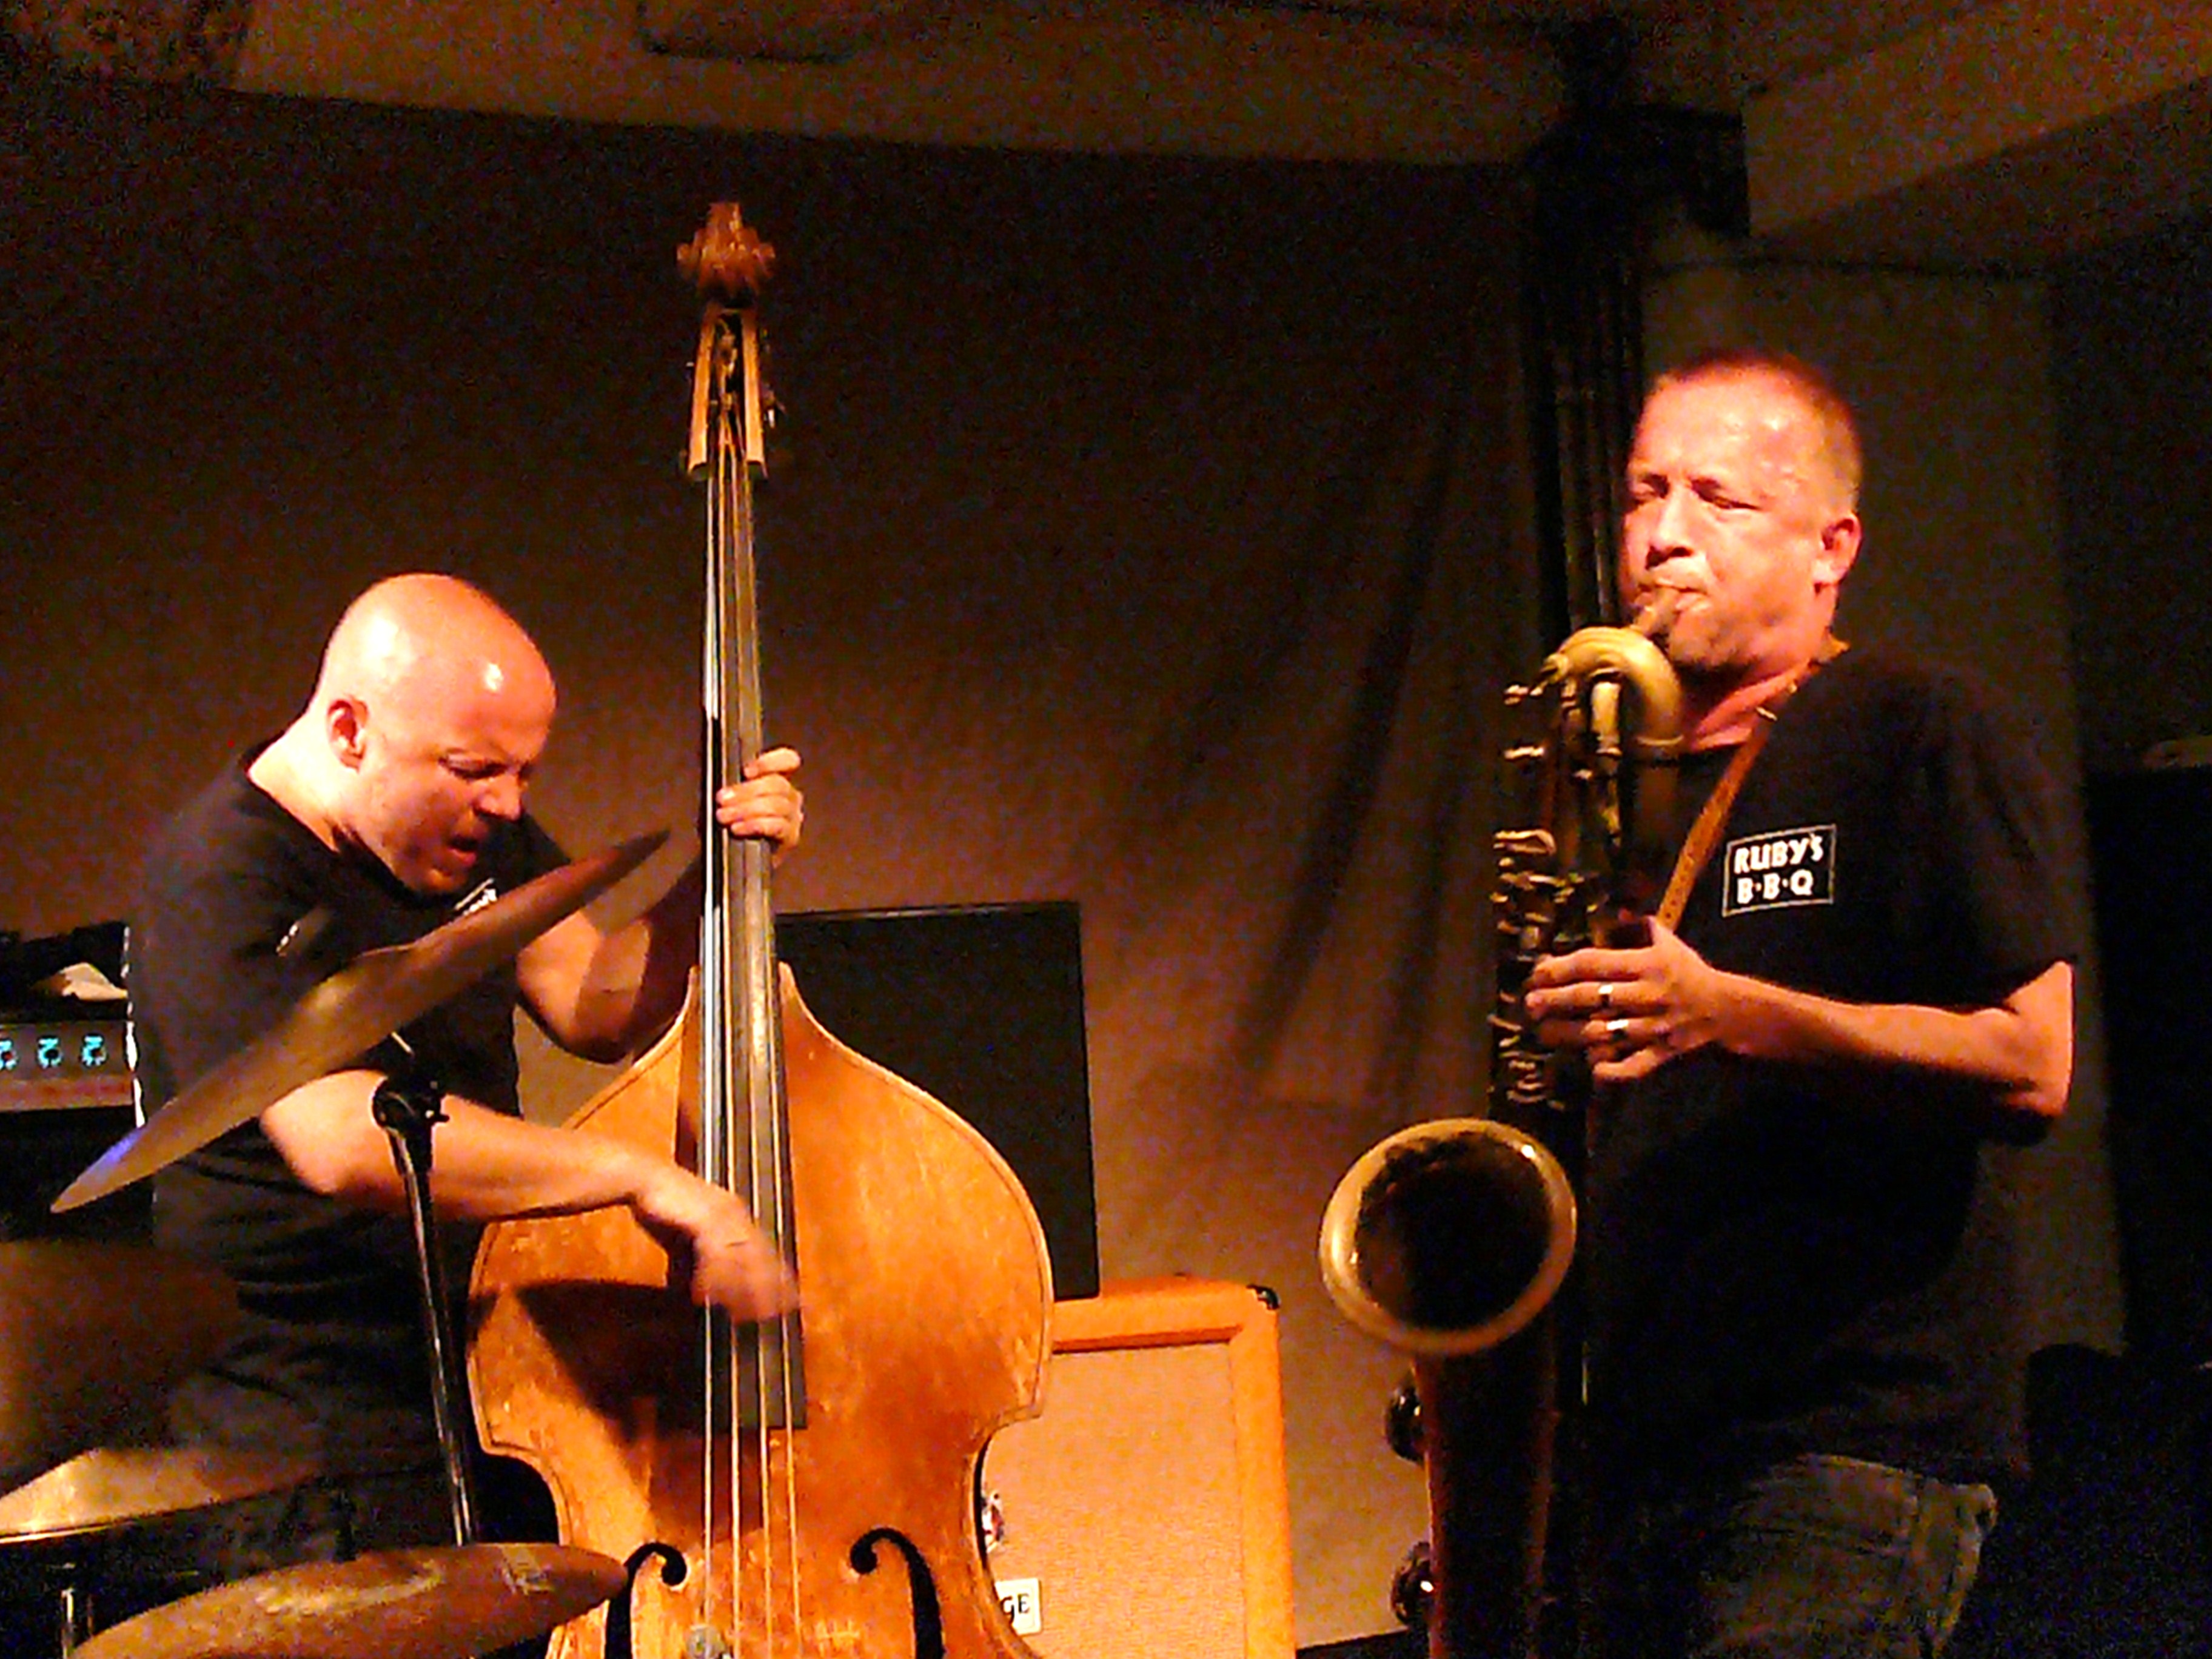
(1817, 1558)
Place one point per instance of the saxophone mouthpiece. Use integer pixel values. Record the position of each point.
(1656, 616)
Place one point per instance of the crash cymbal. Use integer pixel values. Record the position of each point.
(350, 1012)
(111, 1487)
(396, 1604)
(91, 1338)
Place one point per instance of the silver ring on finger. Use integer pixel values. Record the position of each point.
(1615, 1026)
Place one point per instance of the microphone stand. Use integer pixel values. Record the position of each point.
(407, 1107)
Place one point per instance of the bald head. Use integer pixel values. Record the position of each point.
(428, 718)
(418, 639)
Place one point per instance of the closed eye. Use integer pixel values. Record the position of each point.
(479, 771)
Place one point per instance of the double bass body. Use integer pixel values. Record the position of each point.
(926, 1293)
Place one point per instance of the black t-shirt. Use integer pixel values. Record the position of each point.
(244, 911)
(1785, 1259)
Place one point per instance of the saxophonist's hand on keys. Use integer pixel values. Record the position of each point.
(1631, 1009)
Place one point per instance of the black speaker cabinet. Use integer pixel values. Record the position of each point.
(980, 1006)
(2150, 835)
(42, 1151)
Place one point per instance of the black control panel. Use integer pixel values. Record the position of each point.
(62, 1062)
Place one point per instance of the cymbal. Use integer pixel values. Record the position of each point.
(450, 1603)
(114, 1486)
(91, 1338)
(350, 1012)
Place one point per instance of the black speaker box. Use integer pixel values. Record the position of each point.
(42, 1151)
(2150, 836)
(981, 1008)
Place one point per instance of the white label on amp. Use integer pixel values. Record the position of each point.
(1018, 1596)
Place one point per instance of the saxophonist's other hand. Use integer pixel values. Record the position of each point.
(1631, 1009)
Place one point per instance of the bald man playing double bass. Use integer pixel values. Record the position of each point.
(393, 803)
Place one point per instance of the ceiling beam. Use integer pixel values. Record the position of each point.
(1881, 150)
(1103, 76)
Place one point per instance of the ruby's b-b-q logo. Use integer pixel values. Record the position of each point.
(1782, 868)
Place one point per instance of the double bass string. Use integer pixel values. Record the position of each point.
(717, 1357)
(726, 1372)
(751, 1373)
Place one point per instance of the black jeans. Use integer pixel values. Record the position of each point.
(1817, 1558)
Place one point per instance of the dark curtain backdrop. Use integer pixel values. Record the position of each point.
(1149, 534)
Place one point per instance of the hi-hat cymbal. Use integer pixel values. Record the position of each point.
(111, 1487)
(449, 1603)
(350, 1012)
(91, 1338)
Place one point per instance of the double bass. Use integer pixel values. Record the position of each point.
(806, 1486)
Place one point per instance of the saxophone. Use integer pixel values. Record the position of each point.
(1450, 1240)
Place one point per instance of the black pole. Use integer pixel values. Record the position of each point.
(407, 1108)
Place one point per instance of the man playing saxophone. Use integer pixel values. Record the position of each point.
(1806, 1372)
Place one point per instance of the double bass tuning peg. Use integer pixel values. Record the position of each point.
(727, 257)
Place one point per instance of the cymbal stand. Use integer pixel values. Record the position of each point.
(407, 1107)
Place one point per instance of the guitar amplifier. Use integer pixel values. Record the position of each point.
(1146, 1511)
(58, 1059)
(65, 1098)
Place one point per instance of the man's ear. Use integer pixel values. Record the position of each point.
(345, 722)
(1839, 549)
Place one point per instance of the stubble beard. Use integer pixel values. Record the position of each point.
(1710, 664)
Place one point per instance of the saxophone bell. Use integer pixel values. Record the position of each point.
(1449, 1240)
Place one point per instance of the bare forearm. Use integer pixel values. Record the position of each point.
(485, 1166)
(1637, 1008)
(2017, 1053)
(602, 996)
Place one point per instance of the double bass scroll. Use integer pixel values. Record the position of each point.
(809, 1483)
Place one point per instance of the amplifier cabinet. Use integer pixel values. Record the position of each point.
(1145, 1513)
(43, 1150)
